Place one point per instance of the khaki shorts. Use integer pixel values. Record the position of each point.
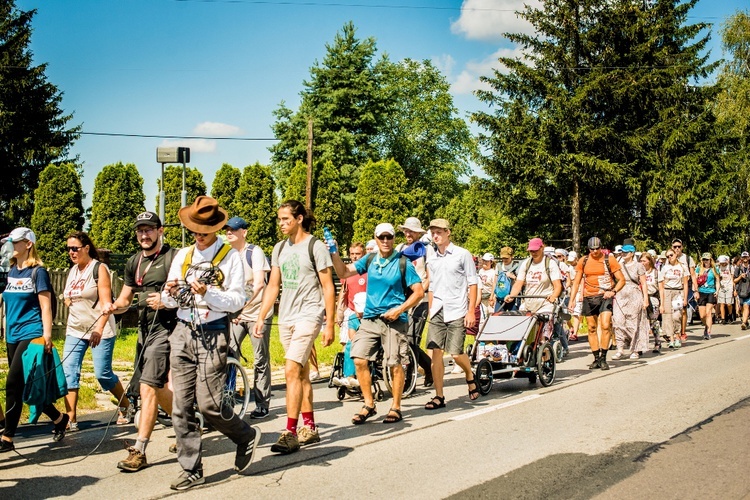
(448, 337)
(298, 339)
(373, 333)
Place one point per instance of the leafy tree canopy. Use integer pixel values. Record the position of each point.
(194, 186)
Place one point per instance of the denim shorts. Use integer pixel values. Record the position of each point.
(73, 353)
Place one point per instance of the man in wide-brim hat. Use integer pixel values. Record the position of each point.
(199, 341)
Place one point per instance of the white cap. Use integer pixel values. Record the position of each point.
(618, 249)
(384, 228)
(20, 233)
(723, 259)
(549, 250)
(372, 246)
(488, 257)
(561, 251)
(572, 255)
(652, 252)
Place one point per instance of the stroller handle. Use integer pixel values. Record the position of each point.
(531, 296)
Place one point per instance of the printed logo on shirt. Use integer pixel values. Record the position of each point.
(290, 272)
(361, 281)
(75, 289)
(19, 285)
(534, 278)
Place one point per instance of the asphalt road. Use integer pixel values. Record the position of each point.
(673, 425)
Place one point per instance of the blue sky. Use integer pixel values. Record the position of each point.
(219, 68)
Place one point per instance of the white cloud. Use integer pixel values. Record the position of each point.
(467, 81)
(216, 129)
(489, 19)
(195, 145)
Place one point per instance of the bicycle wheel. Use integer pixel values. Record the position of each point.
(236, 394)
(410, 374)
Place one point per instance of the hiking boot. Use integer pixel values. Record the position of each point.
(135, 461)
(306, 435)
(187, 479)
(603, 364)
(246, 451)
(259, 413)
(287, 443)
(173, 448)
(595, 364)
(6, 446)
(59, 431)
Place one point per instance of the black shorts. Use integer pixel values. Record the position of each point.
(154, 358)
(596, 305)
(706, 298)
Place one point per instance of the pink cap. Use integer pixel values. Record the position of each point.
(535, 244)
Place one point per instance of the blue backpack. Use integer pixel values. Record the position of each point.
(502, 288)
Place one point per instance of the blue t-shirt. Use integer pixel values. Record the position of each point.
(710, 285)
(384, 287)
(23, 314)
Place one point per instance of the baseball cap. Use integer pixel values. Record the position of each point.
(626, 248)
(652, 252)
(20, 233)
(594, 242)
(236, 223)
(549, 250)
(723, 259)
(561, 251)
(440, 224)
(506, 252)
(706, 255)
(535, 244)
(745, 254)
(572, 255)
(384, 228)
(619, 249)
(371, 246)
(147, 219)
(412, 224)
(488, 257)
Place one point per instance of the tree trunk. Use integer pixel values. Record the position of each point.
(576, 218)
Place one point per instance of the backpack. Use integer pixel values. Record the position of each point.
(310, 254)
(402, 267)
(546, 267)
(503, 285)
(53, 297)
(249, 258)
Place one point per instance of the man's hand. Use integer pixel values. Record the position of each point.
(608, 294)
(169, 286)
(154, 301)
(198, 288)
(328, 334)
(392, 314)
(258, 329)
(469, 319)
(509, 299)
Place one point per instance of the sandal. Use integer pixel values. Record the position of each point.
(392, 419)
(122, 416)
(361, 418)
(473, 393)
(435, 403)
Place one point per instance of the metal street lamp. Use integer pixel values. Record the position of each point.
(172, 155)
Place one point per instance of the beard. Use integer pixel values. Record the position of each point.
(150, 247)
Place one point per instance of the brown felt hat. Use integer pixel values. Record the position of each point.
(203, 216)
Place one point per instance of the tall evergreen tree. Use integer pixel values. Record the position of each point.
(255, 202)
(33, 126)
(118, 198)
(224, 187)
(327, 200)
(296, 183)
(194, 185)
(380, 198)
(58, 210)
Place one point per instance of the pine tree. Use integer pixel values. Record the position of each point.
(118, 198)
(33, 124)
(296, 183)
(58, 210)
(194, 186)
(380, 198)
(225, 185)
(255, 202)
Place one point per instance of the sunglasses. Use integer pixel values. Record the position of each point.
(676, 246)
(202, 235)
(385, 237)
(670, 255)
(73, 249)
(594, 248)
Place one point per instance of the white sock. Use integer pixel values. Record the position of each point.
(140, 445)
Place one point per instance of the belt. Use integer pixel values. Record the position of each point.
(673, 288)
(215, 325)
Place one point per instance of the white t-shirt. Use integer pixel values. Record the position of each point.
(726, 275)
(258, 258)
(487, 278)
(84, 309)
(652, 281)
(672, 275)
(536, 282)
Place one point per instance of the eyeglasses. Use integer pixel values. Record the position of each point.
(676, 246)
(73, 249)
(145, 231)
(385, 237)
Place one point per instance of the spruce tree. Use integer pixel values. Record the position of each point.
(225, 185)
(255, 202)
(58, 210)
(380, 198)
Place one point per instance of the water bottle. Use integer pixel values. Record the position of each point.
(481, 351)
(332, 247)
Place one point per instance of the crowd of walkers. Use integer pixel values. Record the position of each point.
(197, 304)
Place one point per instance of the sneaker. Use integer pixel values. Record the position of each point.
(657, 349)
(618, 355)
(635, 355)
(353, 382)
(187, 479)
(246, 451)
(73, 427)
(173, 448)
(707, 335)
(287, 443)
(457, 369)
(603, 364)
(59, 431)
(596, 364)
(135, 461)
(336, 382)
(314, 376)
(677, 344)
(743, 326)
(259, 413)
(6, 446)
(671, 345)
(306, 435)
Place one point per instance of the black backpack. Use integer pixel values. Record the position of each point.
(402, 266)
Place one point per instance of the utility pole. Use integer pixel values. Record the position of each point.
(308, 189)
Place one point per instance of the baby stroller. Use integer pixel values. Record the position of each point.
(514, 344)
(378, 371)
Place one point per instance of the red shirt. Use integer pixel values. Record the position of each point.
(354, 285)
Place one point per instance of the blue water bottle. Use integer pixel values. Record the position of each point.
(332, 247)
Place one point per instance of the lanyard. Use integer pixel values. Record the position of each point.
(138, 277)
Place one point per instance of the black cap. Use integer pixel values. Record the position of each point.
(147, 219)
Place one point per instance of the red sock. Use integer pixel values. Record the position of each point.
(308, 419)
(291, 425)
